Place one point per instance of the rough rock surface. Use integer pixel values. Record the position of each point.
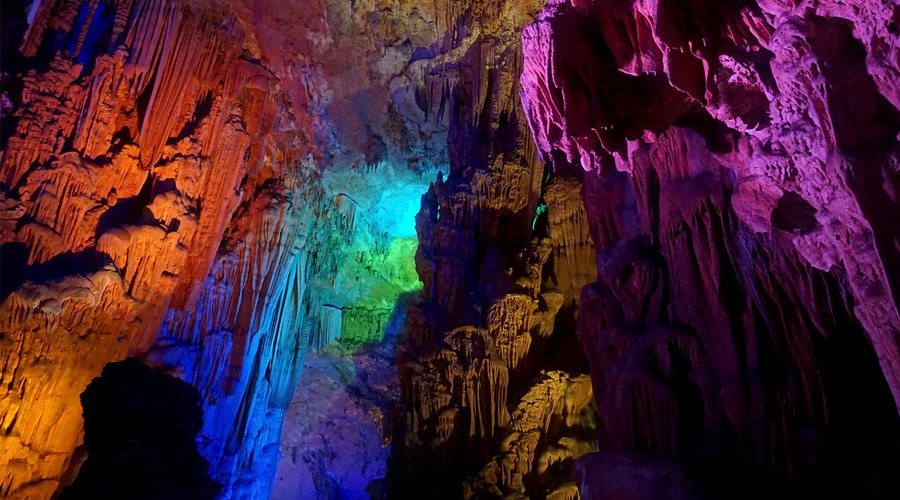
(336, 437)
(491, 400)
(740, 160)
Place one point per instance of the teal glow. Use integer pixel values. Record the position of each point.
(541, 208)
(377, 261)
(395, 213)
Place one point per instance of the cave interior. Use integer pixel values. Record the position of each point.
(477, 249)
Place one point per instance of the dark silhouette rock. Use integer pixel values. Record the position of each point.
(139, 431)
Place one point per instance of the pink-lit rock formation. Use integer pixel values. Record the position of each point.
(740, 161)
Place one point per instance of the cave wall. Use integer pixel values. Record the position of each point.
(163, 184)
(740, 162)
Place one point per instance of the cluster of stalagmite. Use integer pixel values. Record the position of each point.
(551, 426)
(461, 388)
(504, 250)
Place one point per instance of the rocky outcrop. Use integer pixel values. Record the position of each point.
(731, 184)
(491, 400)
(550, 427)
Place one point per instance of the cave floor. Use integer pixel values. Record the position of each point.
(333, 441)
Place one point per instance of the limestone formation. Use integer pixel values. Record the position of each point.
(734, 155)
(550, 428)
(504, 252)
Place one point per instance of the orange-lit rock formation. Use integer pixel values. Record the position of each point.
(160, 188)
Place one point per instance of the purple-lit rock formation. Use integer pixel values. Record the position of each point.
(660, 239)
(739, 163)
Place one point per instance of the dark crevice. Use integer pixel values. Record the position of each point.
(794, 214)
(127, 210)
(13, 262)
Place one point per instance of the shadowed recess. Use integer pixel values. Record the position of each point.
(139, 433)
